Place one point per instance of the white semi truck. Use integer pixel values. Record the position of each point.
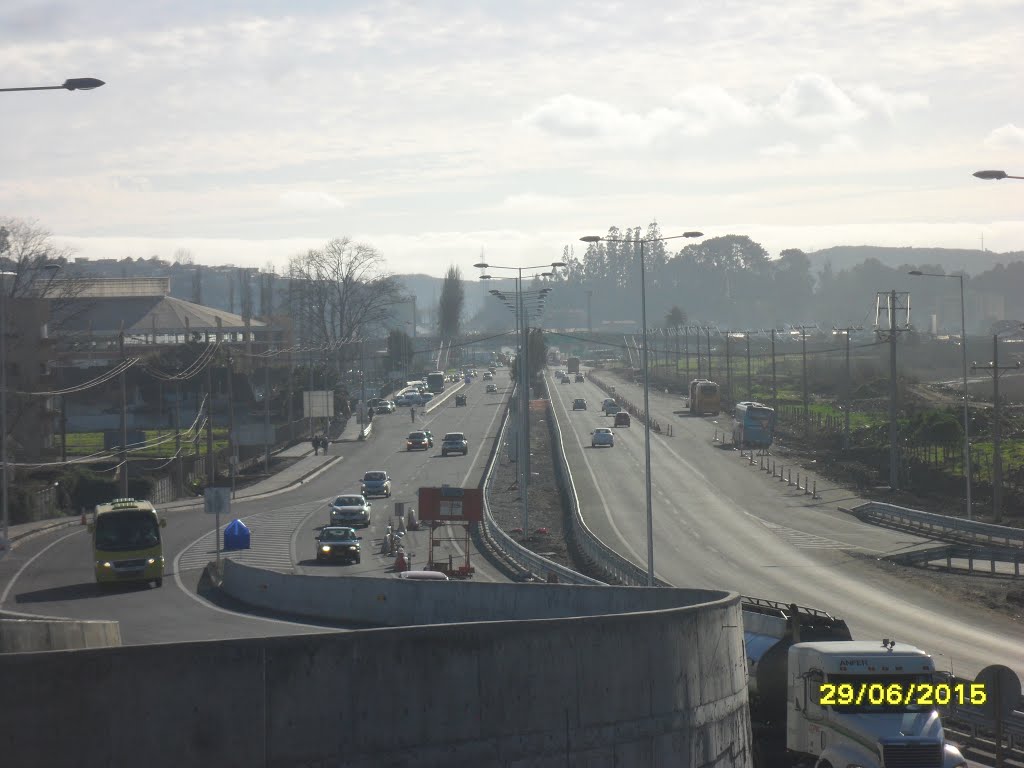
(820, 698)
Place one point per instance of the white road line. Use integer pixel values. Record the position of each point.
(597, 486)
(37, 555)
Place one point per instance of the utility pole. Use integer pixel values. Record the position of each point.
(177, 437)
(728, 367)
(124, 416)
(266, 407)
(891, 300)
(803, 347)
(232, 452)
(211, 462)
(775, 389)
(849, 384)
(590, 324)
(711, 372)
(750, 388)
(997, 430)
(686, 345)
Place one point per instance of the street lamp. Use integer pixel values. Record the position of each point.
(524, 382)
(74, 84)
(963, 350)
(994, 175)
(647, 386)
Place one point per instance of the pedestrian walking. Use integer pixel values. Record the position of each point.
(316, 445)
(412, 413)
(324, 442)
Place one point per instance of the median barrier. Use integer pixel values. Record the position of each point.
(24, 633)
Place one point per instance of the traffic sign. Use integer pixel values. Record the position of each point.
(1002, 691)
(217, 500)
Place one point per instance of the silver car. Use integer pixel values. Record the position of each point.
(602, 436)
(376, 483)
(350, 510)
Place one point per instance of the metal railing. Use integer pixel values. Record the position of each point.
(970, 552)
(523, 557)
(940, 526)
(619, 568)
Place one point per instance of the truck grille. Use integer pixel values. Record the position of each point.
(119, 564)
(912, 755)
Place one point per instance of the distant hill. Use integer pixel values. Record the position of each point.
(971, 261)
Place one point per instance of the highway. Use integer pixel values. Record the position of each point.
(721, 524)
(52, 574)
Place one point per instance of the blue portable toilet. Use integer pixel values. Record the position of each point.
(236, 535)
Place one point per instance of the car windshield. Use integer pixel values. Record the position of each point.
(126, 530)
(454, 436)
(337, 534)
(603, 431)
(417, 436)
(349, 501)
(374, 476)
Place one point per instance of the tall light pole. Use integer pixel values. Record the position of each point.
(963, 358)
(647, 385)
(524, 381)
(73, 84)
(994, 175)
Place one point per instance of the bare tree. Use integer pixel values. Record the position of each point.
(184, 256)
(340, 290)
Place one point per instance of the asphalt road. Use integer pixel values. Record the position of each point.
(52, 575)
(721, 524)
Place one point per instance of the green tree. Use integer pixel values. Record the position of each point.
(453, 298)
(399, 350)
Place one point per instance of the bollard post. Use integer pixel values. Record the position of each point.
(751, 457)
(798, 481)
(789, 476)
(814, 493)
(807, 486)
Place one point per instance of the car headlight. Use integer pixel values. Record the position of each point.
(151, 561)
(325, 548)
(353, 548)
(103, 564)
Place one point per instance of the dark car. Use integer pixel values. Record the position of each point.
(621, 419)
(376, 483)
(579, 404)
(337, 543)
(491, 388)
(460, 400)
(454, 442)
(579, 377)
(417, 441)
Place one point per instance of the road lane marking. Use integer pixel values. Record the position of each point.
(36, 556)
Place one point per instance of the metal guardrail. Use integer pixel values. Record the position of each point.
(512, 549)
(969, 552)
(977, 725)
(621, 569)
(939, 525)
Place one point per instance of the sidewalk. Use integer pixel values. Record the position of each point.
(305, 468)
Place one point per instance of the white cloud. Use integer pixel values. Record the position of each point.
(889, 103)
(814, 102)
(573, 117)
(542, 204)
(842, 144)
(310, 200)
(1008, 136)
(785, 149)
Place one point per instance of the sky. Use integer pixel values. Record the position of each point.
(248, 132)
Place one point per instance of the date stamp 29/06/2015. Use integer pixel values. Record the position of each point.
(900, 694)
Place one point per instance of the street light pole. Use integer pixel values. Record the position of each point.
(967, 399)
(73, 84)
(647, 390)
(523, 375)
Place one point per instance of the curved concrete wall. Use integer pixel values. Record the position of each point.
(21, 633)
(662, 686)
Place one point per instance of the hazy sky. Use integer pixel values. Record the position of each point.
(249, 131)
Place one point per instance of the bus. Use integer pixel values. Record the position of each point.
(753, 425)
(435, 382)
(705, 397)
(126, 544)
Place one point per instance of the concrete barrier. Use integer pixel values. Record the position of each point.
(23, 633)
(661, 685)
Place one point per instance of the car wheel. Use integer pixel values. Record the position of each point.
(444, 453)
(359, 559)
(159, 582)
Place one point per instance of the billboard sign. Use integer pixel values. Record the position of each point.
(318, 404)
(450, 504)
